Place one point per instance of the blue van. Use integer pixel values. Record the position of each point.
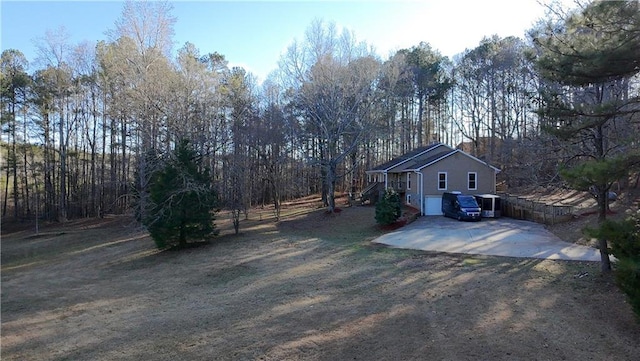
(460, 206)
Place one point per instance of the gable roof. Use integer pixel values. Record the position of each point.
(418, 166)
(419, 162)
(406, 157)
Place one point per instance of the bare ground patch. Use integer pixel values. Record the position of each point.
(310, 287)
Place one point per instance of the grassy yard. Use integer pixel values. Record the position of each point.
(310, 287)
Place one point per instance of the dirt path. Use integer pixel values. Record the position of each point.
(308, 288)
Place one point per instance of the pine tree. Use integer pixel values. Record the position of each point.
(586, 61)
(183, 201)
(625, 246)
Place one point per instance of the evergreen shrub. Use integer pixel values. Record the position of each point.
(388, 208)
(624, 237)
(182, 200)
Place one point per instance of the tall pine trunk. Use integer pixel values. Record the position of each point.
(603, 245)
(62, 178)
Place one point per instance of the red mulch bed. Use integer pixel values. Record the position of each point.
(395, 225)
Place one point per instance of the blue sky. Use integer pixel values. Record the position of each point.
(253, 34)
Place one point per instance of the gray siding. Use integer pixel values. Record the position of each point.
(415, 198)
(457, 167)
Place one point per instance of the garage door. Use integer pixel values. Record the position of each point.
(433, 205)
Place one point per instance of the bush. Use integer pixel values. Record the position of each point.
(628, 279)
(183, 202)
(624, 237)
(389, 208)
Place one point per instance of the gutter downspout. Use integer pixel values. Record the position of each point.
(421, 190)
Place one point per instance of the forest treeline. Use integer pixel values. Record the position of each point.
(81, 133)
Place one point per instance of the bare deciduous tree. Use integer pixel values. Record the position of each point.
(332, 79)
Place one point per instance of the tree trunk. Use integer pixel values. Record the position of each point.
(276, 203)
(603, 245)
(26, 183)
(14, 171)
(235, 214)
(331, 186)
(421, 132)
(324, 187)
(6, 194)
(62, 178)
(27, 148)
(182, 238)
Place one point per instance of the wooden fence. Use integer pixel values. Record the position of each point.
(531, 210)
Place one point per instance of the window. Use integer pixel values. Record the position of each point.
(408, 198)
(408, 180)
(442, 181)
(472, 181)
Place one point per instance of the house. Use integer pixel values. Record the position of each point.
(422, 175)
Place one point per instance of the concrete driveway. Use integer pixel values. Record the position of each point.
(494, 237)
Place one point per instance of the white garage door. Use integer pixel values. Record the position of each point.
(433, 206)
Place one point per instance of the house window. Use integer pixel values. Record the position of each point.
(472, 181)
(408, 180)
(442, 181)
(408, 198)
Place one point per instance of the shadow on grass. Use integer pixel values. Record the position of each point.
(310, 287)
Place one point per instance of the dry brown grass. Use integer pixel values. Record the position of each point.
(311, 287)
